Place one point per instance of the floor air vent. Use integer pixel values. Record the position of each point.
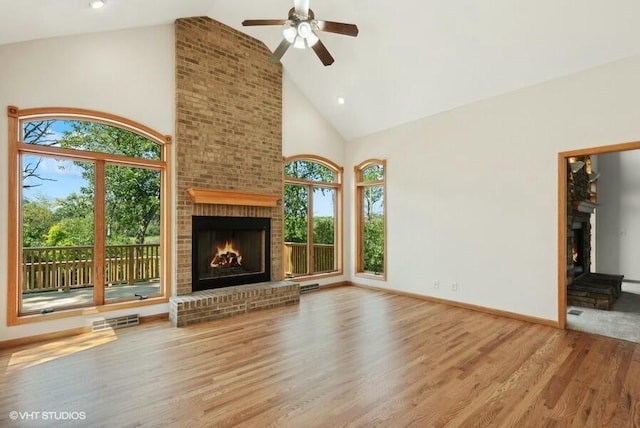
(114, 323)
(574, 312)
(309, 288)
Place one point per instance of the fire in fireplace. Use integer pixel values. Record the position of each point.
(580, 249)
(226, 257)
(230, 251)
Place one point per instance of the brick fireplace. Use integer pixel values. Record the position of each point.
(228, 134)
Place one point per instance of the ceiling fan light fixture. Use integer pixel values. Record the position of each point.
(312, 39)
(290, 33)
(300, 30)
(301, 35)
(304, 29)
(300, 43)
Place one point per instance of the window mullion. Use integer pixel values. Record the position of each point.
(99, 230)
(310, 238)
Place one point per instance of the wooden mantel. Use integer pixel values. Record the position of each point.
(228, 197)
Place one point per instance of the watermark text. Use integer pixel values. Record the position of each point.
(47, 415)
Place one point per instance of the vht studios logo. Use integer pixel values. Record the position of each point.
(47, 416)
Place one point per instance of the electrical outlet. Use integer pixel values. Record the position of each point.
(436, 284)
(454, 286)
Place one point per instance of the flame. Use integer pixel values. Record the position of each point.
(220, 259)
(228, 248)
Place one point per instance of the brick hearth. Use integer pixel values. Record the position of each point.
(224, 302)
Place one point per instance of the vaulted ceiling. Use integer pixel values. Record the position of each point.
(412, 58)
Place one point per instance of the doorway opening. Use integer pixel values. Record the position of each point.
(598, 282)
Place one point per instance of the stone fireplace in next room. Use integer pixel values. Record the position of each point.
(230, 251)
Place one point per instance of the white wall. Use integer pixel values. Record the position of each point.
(618, 214)
(127, 73)
(472, 193)
(305, 131)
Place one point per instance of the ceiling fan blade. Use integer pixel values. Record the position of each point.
(323, 53)
(302, 7)
(251, 22)
(280, 50)
(338, 28)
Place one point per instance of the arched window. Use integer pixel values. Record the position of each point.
(370, 218)
(312, 216)
(88, 211)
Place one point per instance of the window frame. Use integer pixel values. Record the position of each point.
(17, 148)
(360, 186)
(337, 186)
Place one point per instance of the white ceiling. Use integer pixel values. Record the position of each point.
(412, 58)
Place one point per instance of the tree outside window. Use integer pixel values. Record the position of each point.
(370, 243)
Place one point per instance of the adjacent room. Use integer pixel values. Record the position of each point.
(319, 213)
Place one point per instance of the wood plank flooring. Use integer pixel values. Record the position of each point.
(345, 357)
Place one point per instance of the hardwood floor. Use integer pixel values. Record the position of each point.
(344, 357)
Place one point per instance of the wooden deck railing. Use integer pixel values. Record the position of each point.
(64, 268)
(295, 258)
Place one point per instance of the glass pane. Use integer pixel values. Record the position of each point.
(373, 229)
(96, 137)
(57, 233)
(310, 171)
(373, 173)
(296, 224)
(132, 226)
(324, 229)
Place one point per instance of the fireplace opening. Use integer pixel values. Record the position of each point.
(230, 251)
(580, 248)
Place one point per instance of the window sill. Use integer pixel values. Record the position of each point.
(84, 311)
(377, 277)
(314, 276)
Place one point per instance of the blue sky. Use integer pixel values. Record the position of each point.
(66, 176)
(322, 204)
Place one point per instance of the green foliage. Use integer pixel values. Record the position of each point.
(373, 172)
(98, 137)
(323, 230)
(64, 222)
(374, 244)
(37, 218)
(70, 231)
(296, 201)
(74, 205)
(132, 194)
(57, 236)
(132, 201)
(309, 171)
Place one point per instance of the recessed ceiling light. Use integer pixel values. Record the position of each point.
(97, 4)
(340, 100)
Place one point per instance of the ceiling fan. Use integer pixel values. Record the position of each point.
(300, 31)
